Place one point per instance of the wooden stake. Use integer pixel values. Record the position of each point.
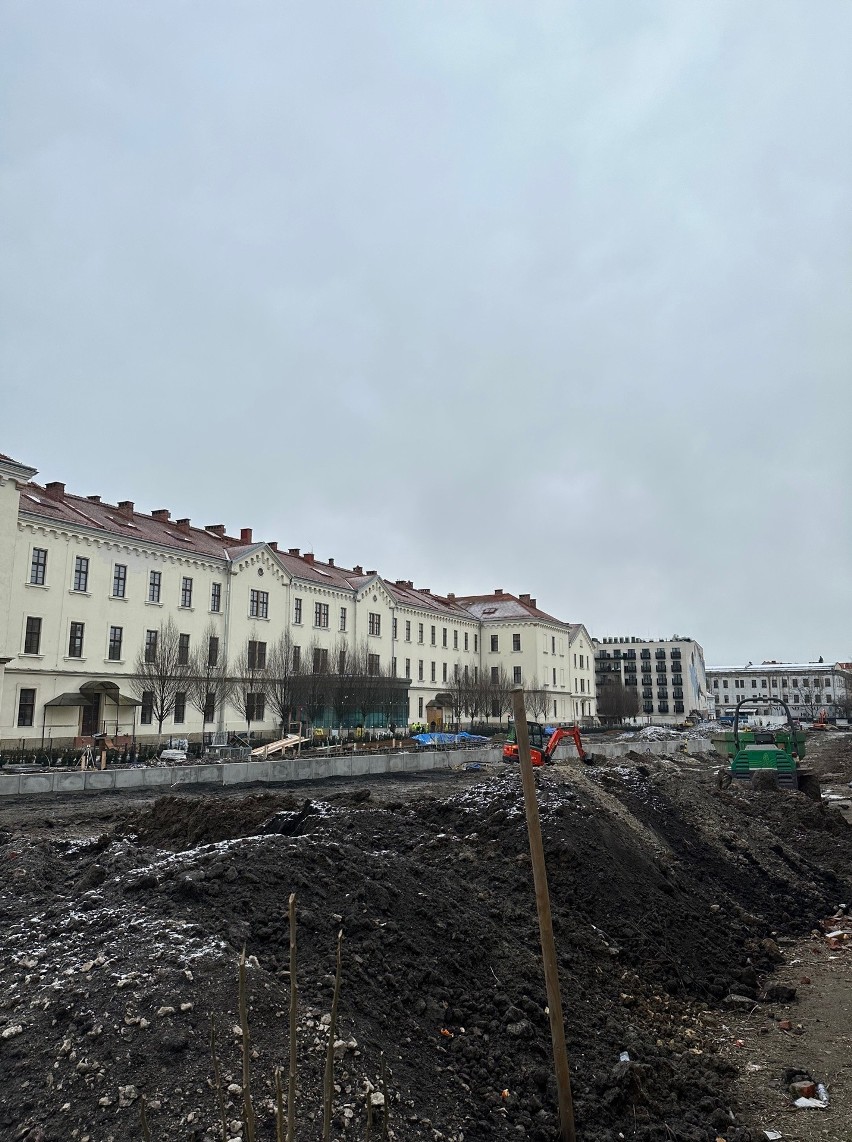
(217, 1076)
(248, 1106)
(279, 1107)
(328, 1081)
(291, 1076)
(545, 922)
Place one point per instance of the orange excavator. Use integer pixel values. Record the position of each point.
(543, 743)
(820, 722)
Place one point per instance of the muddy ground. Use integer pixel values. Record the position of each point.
(676, 906)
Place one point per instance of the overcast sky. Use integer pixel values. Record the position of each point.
(554, 297)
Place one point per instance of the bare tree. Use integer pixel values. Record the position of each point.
(251, 681)
(481, 696)
(368, 670)
(537, 700)
(500, 686)
(160, 672)
(343, 684)
(283, 672)
(390, 701)
(616, 702)
(312, 682)
(209, 684)
(459, 688)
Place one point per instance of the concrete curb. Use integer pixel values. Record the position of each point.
(316, 768)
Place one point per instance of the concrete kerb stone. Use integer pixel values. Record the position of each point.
(69, 782)
(185, 775)
(99, 779)
(37, 782)
(326, 767)
(208, 774)
(124, 779)
(157, 776)
(303, 769)
(10, 784)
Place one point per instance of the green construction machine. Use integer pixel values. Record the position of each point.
(766, 758)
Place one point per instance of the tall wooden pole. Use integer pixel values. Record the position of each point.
(545, 923)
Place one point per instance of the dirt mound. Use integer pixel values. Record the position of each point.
(175, 822)
(665, 898)
(179, 823)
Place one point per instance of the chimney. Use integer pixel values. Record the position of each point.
(245, 535)
(532, 603)
(309, 557)
(126, 508)
(401, 583)
(330, 561)
(451, 597)
(182, 525)
(161, 514)
(425, 590)
(93, 499)
(56, 491)
(409, 584)
(272, 544)
(292, 551)
(371, 572)
(498, 590)
(358, 569)
(216, 529)
(524, 599)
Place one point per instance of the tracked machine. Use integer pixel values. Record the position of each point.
(543, 743)
(765, 757)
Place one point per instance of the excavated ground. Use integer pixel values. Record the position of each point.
(122, 924)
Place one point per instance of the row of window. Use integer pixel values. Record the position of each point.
(647, 680)
(255, 707)
(816, 698)
(115, 641)
(662, 707)
(630, 655)
(740, 683)
(258, 604)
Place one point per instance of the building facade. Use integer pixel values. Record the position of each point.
(808, 688)
(552, 659)
(87, 587)
(668, 675)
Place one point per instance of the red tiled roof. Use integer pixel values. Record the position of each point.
(503, 607)
(96, 516)
(93, 515)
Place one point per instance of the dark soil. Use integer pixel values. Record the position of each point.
(668, 897)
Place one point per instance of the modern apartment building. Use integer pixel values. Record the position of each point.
(806, 687)
(668, 675)
(86, 586)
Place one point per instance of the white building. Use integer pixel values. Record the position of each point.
(85, 586)
(549, 657)
(668, 675)
(806, 687)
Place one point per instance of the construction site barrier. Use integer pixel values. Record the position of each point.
(304, 768)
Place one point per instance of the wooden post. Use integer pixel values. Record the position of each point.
(545, 923)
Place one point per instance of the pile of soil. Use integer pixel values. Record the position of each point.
(668, 900)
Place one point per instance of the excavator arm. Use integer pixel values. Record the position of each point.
(559, 735)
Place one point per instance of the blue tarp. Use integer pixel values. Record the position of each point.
(450, 739)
